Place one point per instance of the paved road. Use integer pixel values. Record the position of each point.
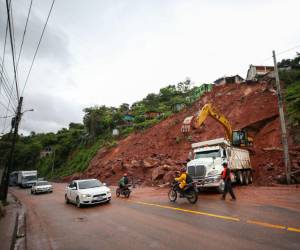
(261, 218)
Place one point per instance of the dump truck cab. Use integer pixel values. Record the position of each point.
(207, 158)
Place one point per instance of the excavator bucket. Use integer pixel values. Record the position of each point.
(186, 125)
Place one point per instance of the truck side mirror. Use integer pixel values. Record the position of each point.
(190, 156)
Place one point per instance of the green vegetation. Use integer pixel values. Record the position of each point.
(291, 78)
(71, 149)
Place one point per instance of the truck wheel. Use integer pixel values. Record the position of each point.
(221, 187)
(246, 177)
(240, 177)
(250, 177)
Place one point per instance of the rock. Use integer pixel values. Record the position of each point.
(169, 176)
(164, 185)
(150, 162)
(166, 167)
(157, 174)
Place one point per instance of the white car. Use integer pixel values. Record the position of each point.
(41, 187)
(89, 191)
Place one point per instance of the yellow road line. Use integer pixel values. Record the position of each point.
(265, 224)
(292, 229)
(191, 211)
(259, 223)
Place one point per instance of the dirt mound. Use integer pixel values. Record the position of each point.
(152, 156)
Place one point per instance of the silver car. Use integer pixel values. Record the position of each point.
(41, 187)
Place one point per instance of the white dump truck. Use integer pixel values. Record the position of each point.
(27, 178)
(206, 165)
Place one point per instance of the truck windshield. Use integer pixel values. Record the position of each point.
(89, 184)
(208, 154)
(30, 178)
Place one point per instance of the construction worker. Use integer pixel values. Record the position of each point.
(123, 182)
(227, 181)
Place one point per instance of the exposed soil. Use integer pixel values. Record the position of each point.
(153, 155)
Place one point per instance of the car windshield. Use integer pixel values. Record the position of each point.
(208, 154)
(42, 183)
(89, 184)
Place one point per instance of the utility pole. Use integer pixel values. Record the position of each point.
(53, 164)
(7, 170)
(287, 162)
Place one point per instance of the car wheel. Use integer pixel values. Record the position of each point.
(78, 202)
(66, 199)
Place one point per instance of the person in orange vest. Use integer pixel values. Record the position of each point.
(227, 181)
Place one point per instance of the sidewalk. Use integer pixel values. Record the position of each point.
(8, 224)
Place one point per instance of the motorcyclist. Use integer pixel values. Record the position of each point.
(123, 182)
(183, 180)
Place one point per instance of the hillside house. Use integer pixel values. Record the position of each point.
(229, 79)
(177, 107)
(255, 73)
(199, 91)
(45, 152)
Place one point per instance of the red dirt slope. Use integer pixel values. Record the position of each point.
(152, 156)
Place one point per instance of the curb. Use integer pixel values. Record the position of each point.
(19, 233)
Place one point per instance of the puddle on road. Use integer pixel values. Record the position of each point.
(81, 219)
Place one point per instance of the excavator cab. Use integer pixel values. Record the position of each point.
(240, 138)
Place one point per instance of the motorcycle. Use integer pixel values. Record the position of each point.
(123, 191)
(189, 192)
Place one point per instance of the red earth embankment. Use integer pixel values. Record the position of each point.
(152, 156)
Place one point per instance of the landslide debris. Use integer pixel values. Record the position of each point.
(152, 156)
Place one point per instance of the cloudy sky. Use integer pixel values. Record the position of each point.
(114, 51)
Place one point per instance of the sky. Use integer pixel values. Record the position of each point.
(109, 52)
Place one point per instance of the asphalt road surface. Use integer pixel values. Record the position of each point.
(261, 218)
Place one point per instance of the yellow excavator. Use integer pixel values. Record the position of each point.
(236, 137)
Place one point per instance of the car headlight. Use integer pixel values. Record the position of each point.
(85, 195)
(212, 173)
(108, 192)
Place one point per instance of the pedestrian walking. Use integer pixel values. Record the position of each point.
(227, 181)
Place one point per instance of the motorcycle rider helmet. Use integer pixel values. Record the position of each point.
(183, 169)
(225, 164)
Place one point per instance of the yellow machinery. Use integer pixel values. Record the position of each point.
(236, 137)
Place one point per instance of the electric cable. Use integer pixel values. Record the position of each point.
(24, 33)
(44, 28)
(12, 47)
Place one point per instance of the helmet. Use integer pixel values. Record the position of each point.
(125, 174)
(225, 164)
(183, 169)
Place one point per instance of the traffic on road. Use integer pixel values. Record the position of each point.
(148, 220)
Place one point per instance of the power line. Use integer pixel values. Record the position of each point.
(5, 117)
(5, 81)
(5, 106)
(38, 46)
(24, 33)
(8, 91)
(282, 52)
(12, 47)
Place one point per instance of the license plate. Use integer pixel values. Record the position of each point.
(99, 199)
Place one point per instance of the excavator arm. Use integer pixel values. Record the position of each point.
(237, 137)
(197, 121)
